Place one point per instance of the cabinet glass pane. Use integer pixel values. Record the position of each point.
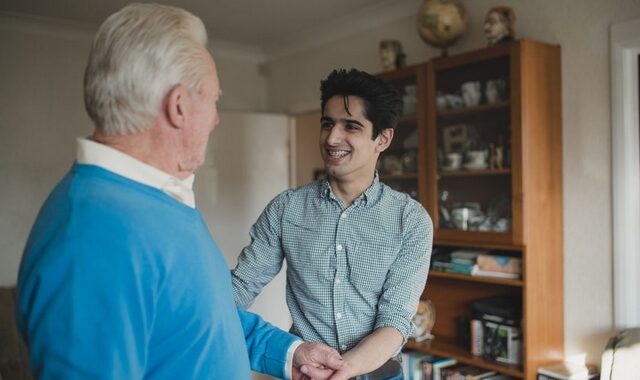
(473, 131)
(398, 165)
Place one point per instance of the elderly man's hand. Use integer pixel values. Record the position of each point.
(315, 361)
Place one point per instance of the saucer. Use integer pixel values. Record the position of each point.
(476, 166)
(449, 168)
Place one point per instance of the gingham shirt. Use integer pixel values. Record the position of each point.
(349, 271)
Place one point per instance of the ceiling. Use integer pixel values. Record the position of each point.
(268, 27)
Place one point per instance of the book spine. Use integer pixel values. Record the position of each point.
(476, 335)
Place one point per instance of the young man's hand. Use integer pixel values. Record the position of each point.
(315, 361)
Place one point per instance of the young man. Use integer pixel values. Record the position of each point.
(120, 277)
(357, 251)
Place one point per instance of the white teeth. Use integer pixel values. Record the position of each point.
(340, 153)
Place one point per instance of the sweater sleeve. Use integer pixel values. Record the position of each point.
(267, 345)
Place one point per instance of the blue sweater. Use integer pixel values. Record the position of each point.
(120, 281)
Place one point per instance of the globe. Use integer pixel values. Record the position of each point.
(441, 22)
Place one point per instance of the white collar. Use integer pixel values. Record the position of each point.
(94, 153)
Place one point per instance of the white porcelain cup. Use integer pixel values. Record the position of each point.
(477, 157)
(454, 160)
(471, 93)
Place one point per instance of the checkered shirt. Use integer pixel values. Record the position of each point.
(349, 271)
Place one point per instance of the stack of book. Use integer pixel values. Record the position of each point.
(497, 266)
(477, 263)
(466, 372)
(423, 366)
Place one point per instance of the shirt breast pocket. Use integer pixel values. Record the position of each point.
(309, 252)
(370, 262)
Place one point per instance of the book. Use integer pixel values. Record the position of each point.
(466, 256)
(499, 263)
(567, 371)
(412, 364)
(476, 271)
(465, 372)
(476, 335)
(432, 367)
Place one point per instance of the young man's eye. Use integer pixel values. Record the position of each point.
(353, 127)
(326, 125)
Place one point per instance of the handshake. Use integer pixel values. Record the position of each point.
(316, 361)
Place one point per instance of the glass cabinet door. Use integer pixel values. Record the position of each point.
(473, 146)
(400, 166)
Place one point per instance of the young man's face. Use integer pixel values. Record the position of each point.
(346, 144)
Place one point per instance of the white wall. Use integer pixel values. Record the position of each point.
(42, 112)
(581, 27)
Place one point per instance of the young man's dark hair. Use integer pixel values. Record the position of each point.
(382, 102)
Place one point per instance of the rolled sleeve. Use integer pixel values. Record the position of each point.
(407, 277)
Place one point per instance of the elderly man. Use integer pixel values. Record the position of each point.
(120, 277)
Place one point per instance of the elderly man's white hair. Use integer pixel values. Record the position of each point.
(138, 55)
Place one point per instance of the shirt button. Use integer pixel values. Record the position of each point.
(339, 247)
(344, 215)
(338, 281)
(338, 315)
(343, 347)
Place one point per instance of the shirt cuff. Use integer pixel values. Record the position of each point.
(288, 366)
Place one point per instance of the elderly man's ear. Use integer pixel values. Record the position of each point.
(178, 106)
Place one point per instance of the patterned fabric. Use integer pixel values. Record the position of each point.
(349, 271)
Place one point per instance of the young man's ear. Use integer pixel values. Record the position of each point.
(384, 139)
(178, 106)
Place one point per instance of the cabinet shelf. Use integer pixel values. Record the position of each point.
(462, 172)
(466, 111)
(487, 280)
(443, 346)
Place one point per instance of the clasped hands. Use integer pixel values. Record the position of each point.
(315, 361)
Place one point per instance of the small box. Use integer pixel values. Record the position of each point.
(502, 343)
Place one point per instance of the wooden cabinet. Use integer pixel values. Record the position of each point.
(403, 165)
(508, 200)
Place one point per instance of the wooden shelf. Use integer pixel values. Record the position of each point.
(443, 346)
(491, 245)
(463, 172)
(486, 280)
(475, 109)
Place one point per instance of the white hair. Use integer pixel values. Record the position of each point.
(138, 55)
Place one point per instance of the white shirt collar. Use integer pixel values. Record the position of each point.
(94, 153)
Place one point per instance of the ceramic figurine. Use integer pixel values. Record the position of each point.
(499, 25)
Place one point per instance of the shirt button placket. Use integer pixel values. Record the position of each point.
(338, 288)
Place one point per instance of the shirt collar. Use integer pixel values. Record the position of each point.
(369, 195)
(94, 153)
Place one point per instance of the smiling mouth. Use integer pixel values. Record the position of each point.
(337, 153)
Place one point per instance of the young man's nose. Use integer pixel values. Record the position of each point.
(336, 134)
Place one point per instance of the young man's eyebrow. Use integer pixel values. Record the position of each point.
(344, 120)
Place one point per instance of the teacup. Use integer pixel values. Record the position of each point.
(454, 160)
(454, 101)
(477, 157)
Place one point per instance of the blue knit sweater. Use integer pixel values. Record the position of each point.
(120, 281)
